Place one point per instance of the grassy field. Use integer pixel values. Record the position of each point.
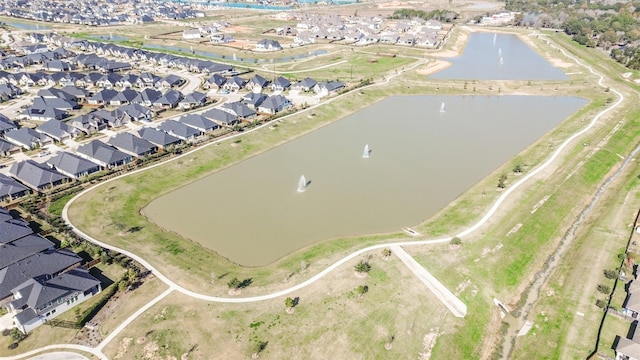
(494, 262)
(330, 321)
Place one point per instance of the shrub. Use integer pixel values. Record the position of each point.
(234, 283)
(601, 303)
(610, 274)
(363, 267)
(456, 241)
(605, 289)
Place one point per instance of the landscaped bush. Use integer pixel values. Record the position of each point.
(601, 303)
(610, 274)
(605, 289)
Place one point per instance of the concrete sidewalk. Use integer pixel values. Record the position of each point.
(457, 307)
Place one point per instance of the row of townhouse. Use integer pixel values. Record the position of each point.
(39, 282)
(94, 13)
(258, 83)
(365, 30)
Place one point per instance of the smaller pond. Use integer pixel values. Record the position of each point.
(252, 6)
(109, 37)
(491, 56)
(26, 26)
(234, 57)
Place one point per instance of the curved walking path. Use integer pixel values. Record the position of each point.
(175, 287)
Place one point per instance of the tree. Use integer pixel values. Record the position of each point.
(605, 289)
(502, 181)
(233, 283)
(386, 252)
(362, 289)
(122, 285)
(289, 303)
(456, 241)
(610, 274)
(363, 267)
(518, 168)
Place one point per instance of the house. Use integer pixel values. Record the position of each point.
(325, 88)
(147, 97)
(274, 104)
(221, 117)
(11, 189)
(169, 100)
(180, 130)
(124, 97)
(216, 81)
(191, 34)
(193, 100)
(61, 102)
(253, 100)
(56, 65)
(170, 81)
(40, 114)
(7, 148)
(221, 38)
(88, 123)
(110, 118)
(279, 84)
(239, 109)
(133, 112)
(234, 84)
(256, 83)
(268, 45)
(626, 349)
(72, 165)
(307, 84)
(36, 176)
(133, 145)
(57, 130)
(158, 137)
(42, 298)
(28, 138)
(6, 125)
(104, 155)
(102, 97)
(199, 122)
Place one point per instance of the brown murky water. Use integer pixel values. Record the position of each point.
(421, 159)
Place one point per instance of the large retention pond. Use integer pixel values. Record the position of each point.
(421, 159)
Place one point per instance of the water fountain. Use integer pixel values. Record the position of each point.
(366, 152)
(500, 52)
(442, 108)
(494, 38)
(111, 36)
(234, 56)
(302, 184)
(501, 61)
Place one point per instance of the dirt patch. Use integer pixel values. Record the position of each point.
(433, 67)
(428, 342)
(124, 346)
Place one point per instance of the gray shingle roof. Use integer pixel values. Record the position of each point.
(221, 117)
(22, 248)
(131, 144)
(158, 137)
(240, 109)
(11, 230)
(9, 186)
(35, 175)
(179, 130)
(104, 153)
(57, 130)
(199, 122)
(26, 137)
(48, 262)
(72, 165)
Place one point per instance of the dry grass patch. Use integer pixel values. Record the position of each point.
(317, 329)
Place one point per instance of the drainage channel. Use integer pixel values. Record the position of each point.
(516, 321)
